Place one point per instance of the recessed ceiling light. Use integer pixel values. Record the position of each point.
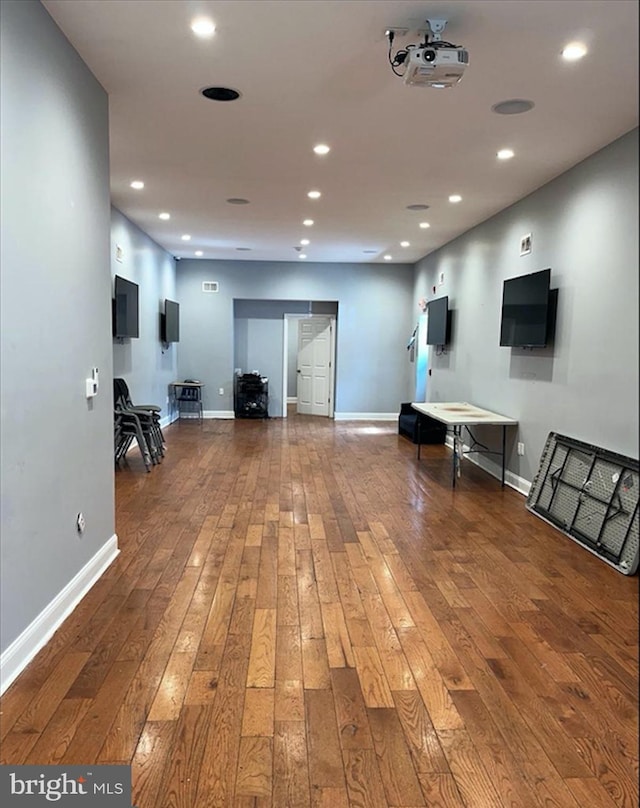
(138, 185)
(314, 194)
(404, 244)
(186, 237)
(308, 223)
(513, 106)
(417, 207)
(302, 256)
(424, 225)
(455, 198)
(237, 200)
(304, 241)
(388, 257)
(220, 93)
(203, 27)
(164, 216)
(199, 253)
(505, 154)
(321, 148)
(574, 51)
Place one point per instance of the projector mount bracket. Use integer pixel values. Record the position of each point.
(435, 28)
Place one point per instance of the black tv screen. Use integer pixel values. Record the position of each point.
(438, 321)
(171, 322)
(525, 311)
(125, 308)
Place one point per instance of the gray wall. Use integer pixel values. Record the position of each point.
(258, 341)
(57, 447)
(147, 366)
(292, 359)
(372, 372)
(585, 227)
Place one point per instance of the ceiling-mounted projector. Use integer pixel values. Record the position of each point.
(438, 67)
(434, 63)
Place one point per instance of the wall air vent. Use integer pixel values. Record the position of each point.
(209, 286)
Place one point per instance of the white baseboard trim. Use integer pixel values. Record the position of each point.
(292, 399)
(168, 419)
(193, 416)
(514, 481)
(365, 416)
(23, 649)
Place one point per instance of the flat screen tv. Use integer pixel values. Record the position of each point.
(170, 322)
(525, 311)
(125, 308)
(438, 321)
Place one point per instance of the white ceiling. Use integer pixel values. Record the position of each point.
(316, 71)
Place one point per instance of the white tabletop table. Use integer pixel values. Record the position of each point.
(459, 415)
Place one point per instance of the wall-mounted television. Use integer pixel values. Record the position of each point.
(525, 311)
(438, 321)
(170, 322)
(125, 308)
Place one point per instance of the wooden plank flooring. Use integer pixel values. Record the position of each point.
(303, 616)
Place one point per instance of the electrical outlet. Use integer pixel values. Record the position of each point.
(521, 449)
(221, 391)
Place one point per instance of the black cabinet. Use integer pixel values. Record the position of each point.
(251, 396)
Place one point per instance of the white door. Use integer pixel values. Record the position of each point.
(315, 366)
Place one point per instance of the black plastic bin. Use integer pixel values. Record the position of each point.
(414, 425)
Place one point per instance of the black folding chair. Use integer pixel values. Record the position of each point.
(137, 421)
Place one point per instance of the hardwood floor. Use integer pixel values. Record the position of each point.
(303, 615)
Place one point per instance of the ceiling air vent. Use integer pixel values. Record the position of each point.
(209, 286)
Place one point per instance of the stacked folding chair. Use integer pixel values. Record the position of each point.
(136, 422)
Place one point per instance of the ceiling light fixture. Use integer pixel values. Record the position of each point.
(321, 148)
(186, 237)
(454, 198)
(405, 244)
(424, 225)
(388, 257)
(574, 51)
(308, 223)
(505, 154)
(203, 27)
(302, 256)
(199, 253)
(137, 184)
(314, 194)
(164, 216)
(304, 242)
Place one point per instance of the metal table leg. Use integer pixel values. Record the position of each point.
(456, 435)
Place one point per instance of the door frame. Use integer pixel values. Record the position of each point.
(332, 358)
